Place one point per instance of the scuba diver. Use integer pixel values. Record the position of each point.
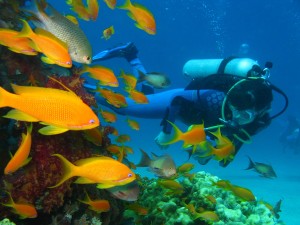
(233, 94)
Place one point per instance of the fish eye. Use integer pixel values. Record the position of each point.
(92, 121)
(69, 63)
(88, 58)
(130, 175)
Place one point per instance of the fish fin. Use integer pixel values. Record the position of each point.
(104, 186)
(51, 130)
(26, 162)
(81, 162)
(68, 168)
(65, 87)
(26, 30)
(43, 32)
(3, 100)
(84, 180)
(176, 137)
(127, 5)
(142, 76)
(10, 202)
(145, 160)
(251, 164)
(47, 60)
(19, 115)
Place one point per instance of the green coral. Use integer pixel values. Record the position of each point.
(6, 222)
(172, 209)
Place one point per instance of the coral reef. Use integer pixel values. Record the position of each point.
(6, 222)
(200, 195)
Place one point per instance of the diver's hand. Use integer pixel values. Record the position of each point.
(161, 138)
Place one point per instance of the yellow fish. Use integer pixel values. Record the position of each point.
(58, 109)
(21, 156)
(24, 210)
(108, 32)
(109, 117)
(143, 17)
(195, 136)
(104, 75)
(111, 3)
(105, 171)
(55, 50)
(99, 205)
(133, 124)
(16, 44)
(78, 44)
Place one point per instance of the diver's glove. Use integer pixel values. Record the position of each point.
(161, 138)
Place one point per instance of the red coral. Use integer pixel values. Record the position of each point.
(74, 83)
(32, 183)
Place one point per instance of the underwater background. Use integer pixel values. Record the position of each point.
(203, 29)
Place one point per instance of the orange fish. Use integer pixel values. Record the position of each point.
(142, 16)
(243, 193)
(224, 150)
(24, 210)
(129, 80)
(209, 216)
(98, 206)
(113, 98)
(137, 208)
(195, 136)
(185, 168)
(119, 151)
(93, 9)
(108, 32)
(21, 156)
(72, 19)
(109, 117)
(133, 124)
(138, 96)
(55, 50)
(58, 109)
(170, 184)
(104, 75)
(94, 135)
(111, 3)
(79, 8)
(123, 138)
(16, 44)
(104, 171)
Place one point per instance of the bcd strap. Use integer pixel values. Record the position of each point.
(223, 64)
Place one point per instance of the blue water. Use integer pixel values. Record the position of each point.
(188, 29)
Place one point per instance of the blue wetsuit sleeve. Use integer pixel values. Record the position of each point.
(175, 106)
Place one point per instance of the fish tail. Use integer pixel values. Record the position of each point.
(177, 134)
(26, 30)
(10, 202)
(145, 160)
(68, 169)
(84, 69)
(3, 98)
(127, 5)
(251, 164)
(142, 76)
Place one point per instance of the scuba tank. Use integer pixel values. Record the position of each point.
(200, 68)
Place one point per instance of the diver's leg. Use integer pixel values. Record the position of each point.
(129, 52)
(154, 109)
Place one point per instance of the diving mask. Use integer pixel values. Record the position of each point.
(242, 117)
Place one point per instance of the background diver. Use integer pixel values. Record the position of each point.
(220, 93)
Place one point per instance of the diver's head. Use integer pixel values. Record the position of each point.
(244, 49)
(249, 99)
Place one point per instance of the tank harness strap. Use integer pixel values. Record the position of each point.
(223, 64)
